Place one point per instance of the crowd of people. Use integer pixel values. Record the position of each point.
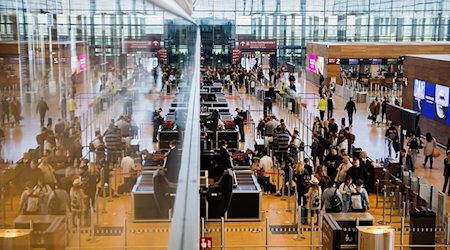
(331, 180)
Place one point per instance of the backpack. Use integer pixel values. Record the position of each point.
(32, 203)
(413, 144)
(357, 200)
(53, 205)
(335, 201)
(315, 202)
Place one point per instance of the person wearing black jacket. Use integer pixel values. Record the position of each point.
(333, 127)
(321, 79)
(368, 165)
(330, 163)
(406, 160)
(239, 121)
(392, 139)
(383, 109)
(42, 109)
(224, 161)
(351, 109)
(172, 164)
(157, 121)
(292, 82)
(357, 172)
(330, 106)
(446, 172)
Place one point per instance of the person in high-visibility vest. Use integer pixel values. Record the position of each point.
(113, 89)
(72, 107)
(322, 107)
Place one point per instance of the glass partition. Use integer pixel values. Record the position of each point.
(92, 75)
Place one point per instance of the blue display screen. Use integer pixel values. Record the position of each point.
(432, 101)
(428, 104)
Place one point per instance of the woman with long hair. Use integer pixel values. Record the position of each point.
(428, 149)
(301, 178)
(314, 196)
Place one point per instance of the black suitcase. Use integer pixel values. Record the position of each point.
(304, 215)
(272, 188)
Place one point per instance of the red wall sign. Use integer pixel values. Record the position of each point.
(141, 45)
(334, 61)
(236, 55)
(162, 55)
(206, 243)
(258, 44)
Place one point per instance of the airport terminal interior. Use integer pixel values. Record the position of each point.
(211, 124)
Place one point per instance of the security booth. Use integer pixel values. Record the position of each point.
(348, 222)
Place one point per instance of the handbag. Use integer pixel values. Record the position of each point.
(436, 153)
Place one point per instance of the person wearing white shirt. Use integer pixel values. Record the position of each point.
(266, 165)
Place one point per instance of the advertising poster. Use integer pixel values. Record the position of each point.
(428, 109)
(320, 62)
(312, 63)
(441, 103)
(82, 63)
(419, 95)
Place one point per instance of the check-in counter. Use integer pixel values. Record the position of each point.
(216, 104)
(144, 204)
(213, 89)
(245, 201)
(166, 136)
(348, 223)
(231, 136)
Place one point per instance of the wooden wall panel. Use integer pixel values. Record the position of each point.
(389, 50)
(369, 50)
(430, 70)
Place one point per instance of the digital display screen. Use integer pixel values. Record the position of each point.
(377, 61)
(353, 61)
(393, 114)
(432, 101)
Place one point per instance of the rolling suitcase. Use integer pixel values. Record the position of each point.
(304, 215)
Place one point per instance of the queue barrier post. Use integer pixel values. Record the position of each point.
(299, 226)
(383, 222)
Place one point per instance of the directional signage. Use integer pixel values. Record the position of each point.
(140, 45)
(267, 44)
(334, 61)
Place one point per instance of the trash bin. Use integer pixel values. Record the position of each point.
(422, 227)
(376, 237)
(267, 105)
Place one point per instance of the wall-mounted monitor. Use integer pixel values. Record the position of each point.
(432, 101)
(353, 61)
(377, 61)
(393, 114)
(408, 119)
